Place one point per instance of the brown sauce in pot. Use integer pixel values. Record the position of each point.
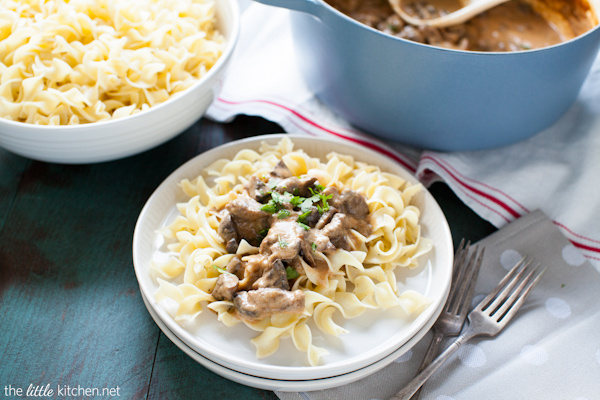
(512, 26)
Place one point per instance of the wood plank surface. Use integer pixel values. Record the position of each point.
(70, 307)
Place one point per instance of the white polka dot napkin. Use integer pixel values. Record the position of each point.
(556, 171)
(551, 349)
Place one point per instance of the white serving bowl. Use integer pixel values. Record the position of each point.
(372, 337)
(122, 137)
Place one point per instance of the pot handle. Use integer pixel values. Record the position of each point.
(307, 6)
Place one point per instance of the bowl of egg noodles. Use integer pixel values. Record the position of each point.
(85, 82)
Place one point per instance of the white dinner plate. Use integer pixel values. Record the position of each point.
(373, 336)
(280, 385)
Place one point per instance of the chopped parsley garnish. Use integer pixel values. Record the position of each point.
(306, 204)
(271, 207)
(291, 273)
(296, 201)
(277, 200)
(281, 198)
(263, 234)
(282, 243)
(314, 246)
(221, 270)
(283, 214)
(302, 217)
(304, 226)
(318, 196)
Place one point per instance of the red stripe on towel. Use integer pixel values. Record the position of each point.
(362, 142)
(473, 189)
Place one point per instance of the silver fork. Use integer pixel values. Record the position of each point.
(452, 317)
(488, 318)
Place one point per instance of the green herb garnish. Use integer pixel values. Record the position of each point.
(304, 226)
(281, 198)
(308, 203)
(283, 214)
(282, 243)
(271, 207)
(318, 196)
(296, 201)
(291, 273)
(303, 216)
(314, 246)
(221, 270)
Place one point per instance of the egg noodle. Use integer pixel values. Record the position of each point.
(358, 280)
(79, 61)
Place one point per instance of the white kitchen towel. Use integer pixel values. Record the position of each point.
(550, 350)
(557, 171)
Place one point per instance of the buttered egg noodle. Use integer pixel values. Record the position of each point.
(355, 274)
(67, 62)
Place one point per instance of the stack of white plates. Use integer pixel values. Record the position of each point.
(375, 339)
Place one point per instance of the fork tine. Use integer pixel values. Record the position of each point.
(459, 258)
(463, 286)
(473, 276)
(518, 297)
(487, 302)
(500, 298)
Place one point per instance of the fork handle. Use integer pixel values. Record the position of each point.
(432, 350)
(414, 385)
(430, 354)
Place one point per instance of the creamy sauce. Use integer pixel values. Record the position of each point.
(511, 26)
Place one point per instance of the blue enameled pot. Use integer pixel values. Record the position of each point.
(431, 97)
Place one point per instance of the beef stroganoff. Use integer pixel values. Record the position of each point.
(512, 26)
(276, 239)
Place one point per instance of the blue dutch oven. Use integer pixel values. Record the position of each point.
(431, 97)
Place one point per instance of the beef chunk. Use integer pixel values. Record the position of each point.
(228, 232)
(245, 220)
(297, 186)
(325, 218)
(349, 202)
(257, 304)
(237, 267)
(312, 218)
(280, 170)
(253, 270)
(337, 233)
(354, 204)
(283, 240)
(321, 242)
(257, 189)
(226, 286)
(338, 230)
(246, 209)
(274, 277)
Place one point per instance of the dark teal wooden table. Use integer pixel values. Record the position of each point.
(72, 318)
